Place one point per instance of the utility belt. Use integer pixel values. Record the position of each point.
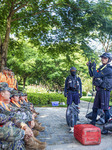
(98, 88)
(104, 89)
(74, 90)
(105, 83)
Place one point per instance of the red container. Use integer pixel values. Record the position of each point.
(87, 134)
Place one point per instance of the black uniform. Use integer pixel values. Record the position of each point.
(102, 79)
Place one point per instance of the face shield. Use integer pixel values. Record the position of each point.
(73, 72)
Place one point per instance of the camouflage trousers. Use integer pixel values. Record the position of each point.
(11, 138)
(16, 145)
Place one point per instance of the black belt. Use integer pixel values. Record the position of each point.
(73, 90)
(104, 89)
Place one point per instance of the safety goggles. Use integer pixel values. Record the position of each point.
(73, 70)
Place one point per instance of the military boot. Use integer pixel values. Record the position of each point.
(36, 121)
(107, 127)
(31, 143)
(33, 110)
(35, 133)
(38, 127)
(36, 112)
(39, 141)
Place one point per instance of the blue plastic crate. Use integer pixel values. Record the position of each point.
(56, 103)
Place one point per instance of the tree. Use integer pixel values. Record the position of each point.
(29, 16)
(30, 65)
(21, 58)
(103, 28)
(37, 21)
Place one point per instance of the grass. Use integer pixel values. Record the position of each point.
(88, 99)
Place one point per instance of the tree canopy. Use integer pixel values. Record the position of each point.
(40, 40)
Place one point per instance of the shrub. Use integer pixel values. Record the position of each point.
(45, 98)
(84, 93)
(111, 96)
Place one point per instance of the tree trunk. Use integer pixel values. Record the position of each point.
(4, 45)
(24, 81)
(3, 57)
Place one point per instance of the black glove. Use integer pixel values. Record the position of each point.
(65, 94)
(93, 65)
(80, 95)
(90, 64)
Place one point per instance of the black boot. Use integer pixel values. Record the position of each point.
(94, 115)
(104, 131)
(107, 127)
(107, 116)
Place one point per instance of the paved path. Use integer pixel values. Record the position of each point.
(57, 134)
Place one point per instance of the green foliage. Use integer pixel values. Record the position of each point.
(36, 89)
(103, 24)
(111, 96)
(20, 87)
(61, 26)
(45, 98)
(60, 32)
(84, 93)
(29, 63)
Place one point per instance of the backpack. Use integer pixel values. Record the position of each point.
(72, 115)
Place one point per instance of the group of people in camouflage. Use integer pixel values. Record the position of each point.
(18, 124)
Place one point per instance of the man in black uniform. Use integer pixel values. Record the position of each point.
(73, 90)
(102, 79)
(73, 87)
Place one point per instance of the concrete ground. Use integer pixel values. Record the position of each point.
(57, 134)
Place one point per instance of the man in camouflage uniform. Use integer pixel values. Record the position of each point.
(12, 129)
(23, 101)
(10, 137)
(24, 111)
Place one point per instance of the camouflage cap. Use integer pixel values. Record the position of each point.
(22, 94)
(4, 87)
(14, 93)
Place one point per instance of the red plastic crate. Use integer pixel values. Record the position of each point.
(87, 134)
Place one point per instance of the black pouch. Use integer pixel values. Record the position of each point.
(97, 81)
(107, 83)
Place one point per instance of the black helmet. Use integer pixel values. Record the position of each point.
(73, 69)
(107, 55)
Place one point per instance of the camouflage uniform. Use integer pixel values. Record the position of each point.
(21, 112)
(11, 137)
(25, 105)
(16, 114)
